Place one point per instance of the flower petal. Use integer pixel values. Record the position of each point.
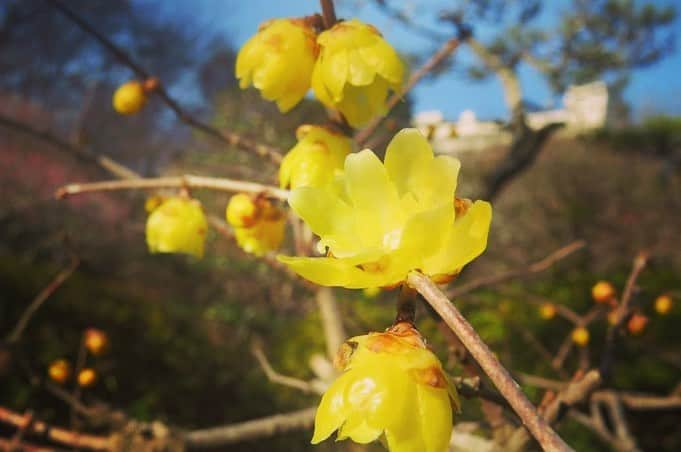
(328, 271)
(332, 411)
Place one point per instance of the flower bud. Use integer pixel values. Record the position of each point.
(355, 69)
(663, 304)
(603, 292)
(391, 385)
(87, 377)
(316, 159)
(96, 341)
(129, 98)
(59, 371)
(637, 323)
(580, 336)
(241, 211)
(178, 225)
(547, 311)
(278, 61)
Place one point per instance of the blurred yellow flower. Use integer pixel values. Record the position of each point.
(129, 98)
(316, 159)
(59, 371)
(278, 60)
(355, 69)
(178, 225)
(259, 225)
(378, 222)
(392, 385)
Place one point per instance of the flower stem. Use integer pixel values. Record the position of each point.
(538, 427)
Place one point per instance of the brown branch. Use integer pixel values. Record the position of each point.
(185, 181)
(645, 402)
(623, 312)
(230, 138)
(55, 434)
(276, 377)
(328, 13)
(42, 296)
(332, 321)
(503, 381)
(113, 167)
(446, 50)
(13, 446)
(259, 428)
(536, 267)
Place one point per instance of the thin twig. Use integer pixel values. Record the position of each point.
(258, 428)
(332, 321)
(541, 431)
(113, 167)
(56, 434)
(536, 267)
(38, 301)
(230, 138)
(185, 181)
(276, 377)
(328, 13)
(443, 52)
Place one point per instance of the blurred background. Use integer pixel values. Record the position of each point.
(565, 114)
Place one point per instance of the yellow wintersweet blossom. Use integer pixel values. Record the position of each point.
(259, 225)
(178, 225)
(379, 221)
(316, 159)
(278, 60)
(391, 385)
(355, 69)
(129, 98)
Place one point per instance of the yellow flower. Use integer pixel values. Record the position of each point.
(178, 225)
(315, 160)
(392, 385)
(355, 69)
(258, 224)
(87, 377)
(59, 371)
(129, 98)
(663, 304)
(278, 60)
(380, 221)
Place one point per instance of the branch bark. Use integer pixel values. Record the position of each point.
(503, 381)
(332, 323)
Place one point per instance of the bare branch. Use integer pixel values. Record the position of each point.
(230, 138)
(259, 428)
(536, 267)
(186, 181)
(276, 377)
(42, 296)
(541, 431)
(328, 13)
(332, 321)
(445, 51)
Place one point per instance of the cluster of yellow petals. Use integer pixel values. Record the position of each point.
(379, 221)
(391, 385)
(129, 98)
(278, 61)
(259, 225)
(316, 159)
(177, 225)
(355, 70)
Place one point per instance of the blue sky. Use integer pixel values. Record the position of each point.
(652, 90)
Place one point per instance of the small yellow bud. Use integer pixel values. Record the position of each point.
(580, 336)
(316, 159)
(547, 311)
(278, 60)
(391, 385)
(637, 324)
(96, 341)
(266, 234)
(87, 377)
(241, 211)
(603, 292)
(178, 225)
(355, 70)
(663, 304)
(129, 98)
(59, 371)
(613, 316)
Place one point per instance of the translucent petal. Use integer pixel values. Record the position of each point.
(360, 73)
(374, 199)
(407, 153)
(359, 430)
(434, 417)
(334, 70)
(383, 59)
(327, 271)
(467, 239)
(318, 87)
(331, 412)
(425, 232)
